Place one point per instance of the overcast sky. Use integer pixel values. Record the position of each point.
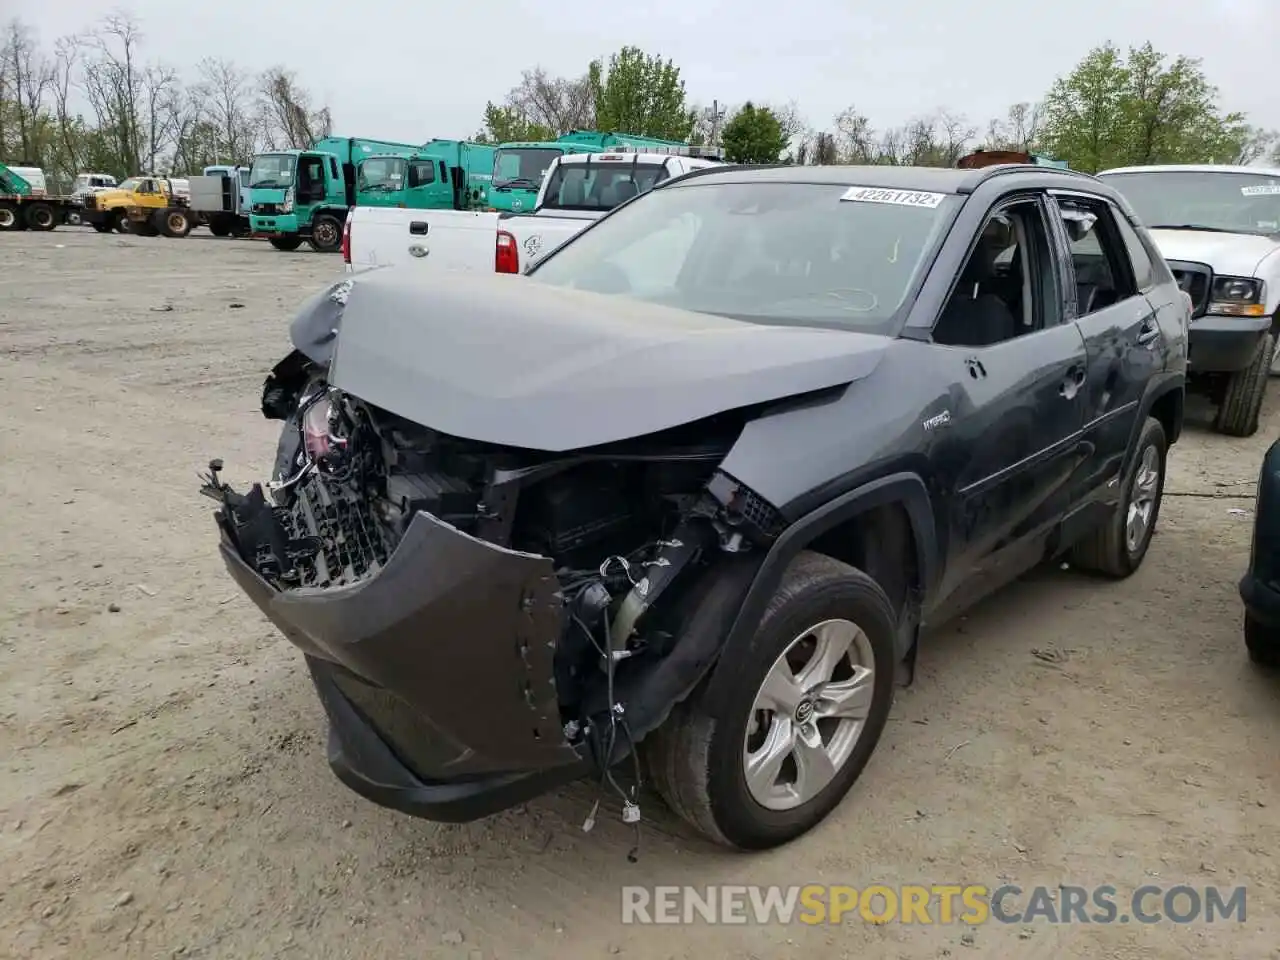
(408, 71)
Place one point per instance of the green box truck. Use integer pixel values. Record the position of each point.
(298, 195)
(440, 175)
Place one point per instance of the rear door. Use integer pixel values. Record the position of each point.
(1122, 334)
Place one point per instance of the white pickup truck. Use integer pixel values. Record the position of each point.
(576, 190)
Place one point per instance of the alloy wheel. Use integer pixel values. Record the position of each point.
(1142, 501)
(808, 714)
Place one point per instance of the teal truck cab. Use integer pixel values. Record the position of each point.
(298, 195)
(518, 167)
(441, 175)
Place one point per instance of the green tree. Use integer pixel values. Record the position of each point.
(640, 94)
(505, 124)
(754, 135)
(1140, 108)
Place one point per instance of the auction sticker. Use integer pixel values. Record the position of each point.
(1262, 190)
(901, 198)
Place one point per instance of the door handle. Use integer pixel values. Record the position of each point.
(418, 228)
(418, 250)
(1149, 333)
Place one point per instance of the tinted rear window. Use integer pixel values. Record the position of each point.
(599, 186)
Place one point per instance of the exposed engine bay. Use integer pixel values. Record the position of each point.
(628, 528)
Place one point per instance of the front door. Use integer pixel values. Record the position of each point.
(1010, 457)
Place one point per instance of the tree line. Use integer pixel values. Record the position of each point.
(96, 102)
(1114, 108)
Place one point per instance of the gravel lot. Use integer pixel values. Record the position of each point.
(166, 791)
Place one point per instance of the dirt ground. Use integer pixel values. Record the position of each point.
(165, 791)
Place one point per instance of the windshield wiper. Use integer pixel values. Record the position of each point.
(1192, 226)
(265, 185)
(516, 182)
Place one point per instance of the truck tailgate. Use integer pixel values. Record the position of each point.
(538, 234)
(428, 239)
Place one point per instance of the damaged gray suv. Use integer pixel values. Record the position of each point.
(679, 500)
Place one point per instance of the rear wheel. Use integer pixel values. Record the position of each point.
(219, 228)
(120, 220)
(1262, 642)
(1242, 401)
(8, 217)
(175, 223)
(102, 227)
(1116, 548)
(286, 243)
(802, 712)
(326, 233)
(40, 216)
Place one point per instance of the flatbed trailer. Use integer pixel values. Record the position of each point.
(23, 212)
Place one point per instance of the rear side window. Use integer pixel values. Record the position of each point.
(599, 186)
(1103, 269)
(1143, 273)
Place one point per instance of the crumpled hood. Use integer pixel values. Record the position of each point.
(507, 360)
(1229, 254)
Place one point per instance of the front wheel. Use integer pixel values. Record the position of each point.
(120, 221)
(1242, 400)
(799, 718)
(326, 234)
(1117, 547)
(286, 243)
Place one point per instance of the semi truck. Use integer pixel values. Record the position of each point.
(519, 166)
(298, 195)
(25, 203)
(441, 175)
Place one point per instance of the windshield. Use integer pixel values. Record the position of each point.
(272, 170)
(599, 186)
(1243, 202)
(130, 184)
(382, 174)
(776, 253)
(522, 166)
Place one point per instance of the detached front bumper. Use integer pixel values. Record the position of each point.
(435, 673)
(274, 225)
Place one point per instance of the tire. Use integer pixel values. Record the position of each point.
(1262, 642)
(218, 227)
(73, 219)
(9, 217)
(326, 234)
(40, 216)
(102, 227)
(174, 223)
(286, 244)
(120, 221)
(698, 758)
(1238, 412)
(1107, 550)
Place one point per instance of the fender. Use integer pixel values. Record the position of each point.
(907, 489)
(1158, 386)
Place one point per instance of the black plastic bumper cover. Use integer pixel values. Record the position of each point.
(436, 673)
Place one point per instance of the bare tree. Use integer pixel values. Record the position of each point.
(854, 137)
(66, 60)
(1018, 130)
(115, 83)
(1256, 144)
(225, 90)
(558, 103)
(30, 78)
(289, 121)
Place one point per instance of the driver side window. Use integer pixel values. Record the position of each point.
(1007, 286)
